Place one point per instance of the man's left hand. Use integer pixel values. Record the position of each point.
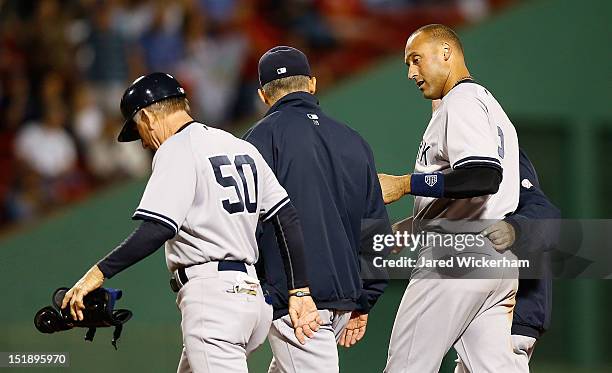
(355, 329)
(501, 235)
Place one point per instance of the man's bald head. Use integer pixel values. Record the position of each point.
(440, 33)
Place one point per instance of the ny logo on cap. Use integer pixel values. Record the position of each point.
(431, 180)
(281, 70)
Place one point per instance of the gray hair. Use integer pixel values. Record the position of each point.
(167, 106)
(283, 86)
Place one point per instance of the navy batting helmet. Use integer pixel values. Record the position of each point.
(145, 91)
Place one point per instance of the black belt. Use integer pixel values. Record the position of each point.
(223, 265)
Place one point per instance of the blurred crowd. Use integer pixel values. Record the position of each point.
(65, 64)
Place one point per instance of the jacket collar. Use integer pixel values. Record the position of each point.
(293, 99)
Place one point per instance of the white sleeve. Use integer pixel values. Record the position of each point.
(171, 188)
(273, 195)
(470, 139)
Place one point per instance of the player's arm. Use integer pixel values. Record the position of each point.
(535, 225)
(162, 212)
(459, 183)
(471, 146)
(278, 209)
(142, 242)
(291, 243)
(302, 309)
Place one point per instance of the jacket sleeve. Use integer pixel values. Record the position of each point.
(375, 221)
(536, 221)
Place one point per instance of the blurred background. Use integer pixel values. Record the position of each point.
(67, 188)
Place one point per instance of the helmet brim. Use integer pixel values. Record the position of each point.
(129, 132)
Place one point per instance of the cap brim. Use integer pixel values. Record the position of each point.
(129, 132)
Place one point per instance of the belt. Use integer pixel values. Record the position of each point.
(179, 277)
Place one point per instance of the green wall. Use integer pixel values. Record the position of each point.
(547, 62)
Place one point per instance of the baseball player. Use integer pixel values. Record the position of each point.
(206, 194)
(532, 231)
(329, 172)
(466, 168)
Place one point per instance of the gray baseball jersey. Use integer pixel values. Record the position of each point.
(468, 129)
(211, 188)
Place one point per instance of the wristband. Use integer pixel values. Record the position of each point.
(427, 185)
(300, 294)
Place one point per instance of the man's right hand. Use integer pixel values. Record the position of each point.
(93, 279)
(394, 187)
(304, 315)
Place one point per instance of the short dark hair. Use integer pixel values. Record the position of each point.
(441, 32)
(280, 87)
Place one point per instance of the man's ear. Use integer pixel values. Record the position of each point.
(447, 51)
(312, 85)
(263, 97)
(147, 118)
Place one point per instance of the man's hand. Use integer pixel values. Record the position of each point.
(354, 330)
(501, 235)
(394, 187)
(92, 280)
(304, 315)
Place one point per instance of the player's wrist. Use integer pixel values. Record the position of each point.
(300, 292)
(405, 183)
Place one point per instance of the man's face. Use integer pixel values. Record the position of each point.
(427, 65)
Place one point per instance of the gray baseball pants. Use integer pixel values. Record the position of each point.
(523, 348)
(222, 320)
(473, 315)
(319, 354)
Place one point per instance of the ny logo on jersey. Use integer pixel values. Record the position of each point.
(422, 153)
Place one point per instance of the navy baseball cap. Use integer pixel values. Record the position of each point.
(145, 91)
(281, 62)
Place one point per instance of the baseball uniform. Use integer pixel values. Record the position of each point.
(206, 195)
(469, 129)
(213, 199)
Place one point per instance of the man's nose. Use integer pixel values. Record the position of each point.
(412, 73)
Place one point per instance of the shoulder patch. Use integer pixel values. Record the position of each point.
(526, 184)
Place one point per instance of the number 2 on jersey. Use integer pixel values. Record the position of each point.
(240, 161)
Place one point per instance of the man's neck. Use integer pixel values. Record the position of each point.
(455, 77)
(177, 120)
(281, 97)
(172, 123)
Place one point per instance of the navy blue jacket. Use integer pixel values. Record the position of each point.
(329, 173)
(535, 238)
